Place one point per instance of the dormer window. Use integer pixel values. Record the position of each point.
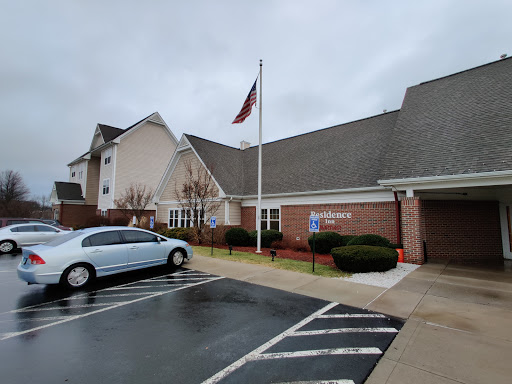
(108, 156)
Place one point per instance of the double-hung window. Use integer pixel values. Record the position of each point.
(108, 156)
(106, 186)
(180, 217)
(270, 218)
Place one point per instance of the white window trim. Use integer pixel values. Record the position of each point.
(180, 217)
(103, 187)
(268, 216)
(104, 212)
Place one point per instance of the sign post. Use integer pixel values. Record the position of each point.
(213, 224)
(151, 222)
(314, 226)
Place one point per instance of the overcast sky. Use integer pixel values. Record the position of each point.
(67, 65)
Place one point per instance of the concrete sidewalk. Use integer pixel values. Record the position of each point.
(459, 318)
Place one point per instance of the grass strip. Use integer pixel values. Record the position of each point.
(278, 263)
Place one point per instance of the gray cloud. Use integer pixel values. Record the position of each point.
(68, 65)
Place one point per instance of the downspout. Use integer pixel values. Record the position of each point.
(61, 211)
(397, 218)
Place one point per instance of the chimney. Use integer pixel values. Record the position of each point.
(244, 145)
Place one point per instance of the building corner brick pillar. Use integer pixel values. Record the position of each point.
(412, 230)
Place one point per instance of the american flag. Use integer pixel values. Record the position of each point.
(247, 107)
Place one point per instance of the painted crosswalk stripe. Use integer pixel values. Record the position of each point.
(319, 352)
(344, 330)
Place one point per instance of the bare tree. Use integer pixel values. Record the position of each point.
(13, 193)
(45, 206)
(134, 200)
(197, 194)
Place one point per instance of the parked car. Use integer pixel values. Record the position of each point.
(78, 257)
(21, 235)
(4, 221)
(57, 224)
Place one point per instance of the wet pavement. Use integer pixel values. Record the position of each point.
(181, 326)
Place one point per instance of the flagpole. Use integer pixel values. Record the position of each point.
(258, 209)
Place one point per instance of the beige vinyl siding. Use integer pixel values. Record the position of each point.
(97, 141)
(142, 157)
(93, 181)
(177, 178)
(235, 213)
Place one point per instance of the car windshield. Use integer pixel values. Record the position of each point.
(62, 239)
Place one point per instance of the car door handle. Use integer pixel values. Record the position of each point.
(134, 247)
(97, 251)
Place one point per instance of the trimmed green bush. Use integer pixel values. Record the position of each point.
(364, 258)
(179, 233)
(325, 241)
(237, 236)
(346, 238)
(374, 240)
(268, 236)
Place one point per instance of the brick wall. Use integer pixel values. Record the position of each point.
(117, 215)
(377, 218)
(412, 230)
(74, 215)
(463, 231)
(248, 218)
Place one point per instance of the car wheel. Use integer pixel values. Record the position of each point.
(77, 276)
(176, 258)
(7, 246)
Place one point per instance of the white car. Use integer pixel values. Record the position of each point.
(20, 235)
(76, 258)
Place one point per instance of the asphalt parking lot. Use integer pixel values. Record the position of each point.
(181, 326)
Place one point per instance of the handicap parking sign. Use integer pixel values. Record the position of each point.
(151, 222)
(314, 224)
(213, 222)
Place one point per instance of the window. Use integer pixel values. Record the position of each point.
(43, 228)
(27, 228)
(73, 172)
(139, 237)
(104, 212)
(108, 156)
(106, 186)
(270, 218)
(81, 175)
(182, 218)
(102, 238)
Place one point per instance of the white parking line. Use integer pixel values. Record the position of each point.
(321, 382)
(70, 318)
(319, 352)
(344, 330)
(353, 316)
(149, 286)
(252, 355)
(66, 307)
(258, 354)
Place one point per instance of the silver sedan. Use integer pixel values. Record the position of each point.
(76, 258)
(20, 235)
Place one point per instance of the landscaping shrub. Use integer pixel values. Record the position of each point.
(364, 258)
(373, 240)
(268, 236)
(346, 238)
(237, 236)
(325, 241)
(179, 233)
(219, 235)
(120, 221)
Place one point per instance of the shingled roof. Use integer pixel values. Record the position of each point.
(340, 157)
(458, 124)
(109, 133)
(68, 191)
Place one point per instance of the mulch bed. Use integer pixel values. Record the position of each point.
(281, 253)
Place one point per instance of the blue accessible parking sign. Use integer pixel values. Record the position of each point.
(314, 223)
(213, 222)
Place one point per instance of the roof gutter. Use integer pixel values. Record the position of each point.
(482, 178)
(308, 193)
